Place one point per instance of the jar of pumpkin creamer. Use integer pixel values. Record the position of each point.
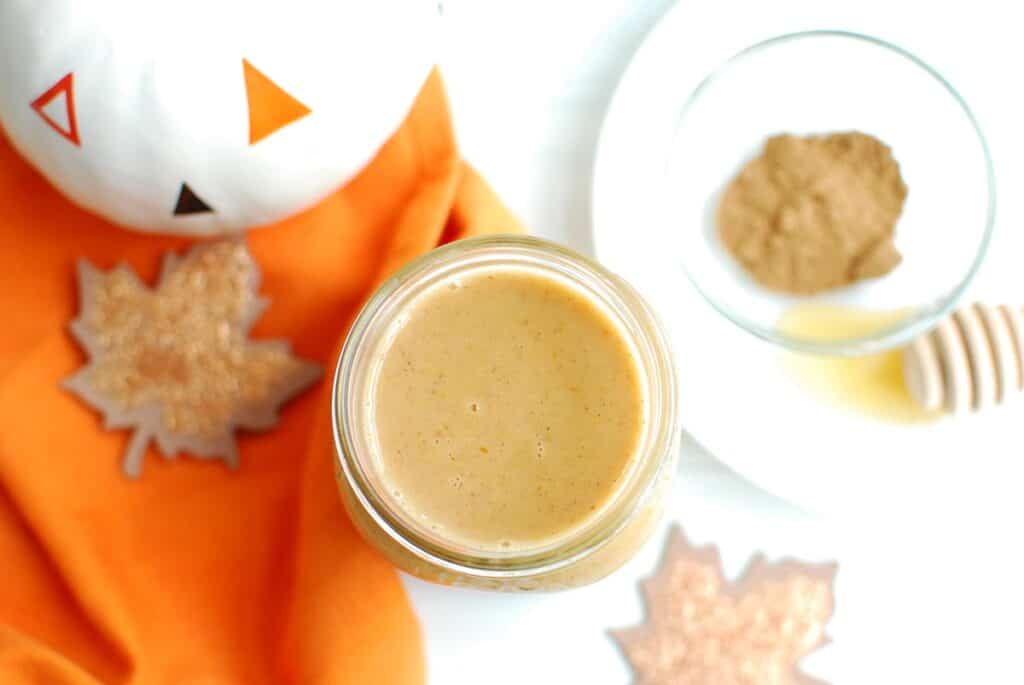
(505, 416)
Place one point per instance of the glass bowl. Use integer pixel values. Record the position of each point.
(833, 81)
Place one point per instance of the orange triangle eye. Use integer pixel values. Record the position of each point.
(270, 107)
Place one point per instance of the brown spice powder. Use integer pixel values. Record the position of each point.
(814, 213)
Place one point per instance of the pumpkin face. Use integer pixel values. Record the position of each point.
(195, 117)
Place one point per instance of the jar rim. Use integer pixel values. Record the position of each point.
(654, 357)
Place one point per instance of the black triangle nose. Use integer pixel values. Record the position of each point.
(189, 203)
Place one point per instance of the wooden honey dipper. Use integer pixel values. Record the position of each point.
(971, 360)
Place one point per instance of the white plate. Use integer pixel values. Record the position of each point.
(738, 399)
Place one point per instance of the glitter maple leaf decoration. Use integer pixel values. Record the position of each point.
(176, 363)
(701, 630)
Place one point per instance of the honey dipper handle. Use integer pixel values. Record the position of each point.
(971, 360)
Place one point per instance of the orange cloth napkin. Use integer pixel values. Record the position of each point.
(195, 574)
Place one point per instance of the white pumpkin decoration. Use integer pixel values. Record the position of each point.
(197, 117)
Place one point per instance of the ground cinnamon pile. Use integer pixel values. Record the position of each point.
(814, 213)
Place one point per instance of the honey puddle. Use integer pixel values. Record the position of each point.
(870, 385)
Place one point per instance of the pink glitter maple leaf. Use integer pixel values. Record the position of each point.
(175, 363)
(701, 630)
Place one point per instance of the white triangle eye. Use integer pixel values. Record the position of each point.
(58, 112)
(56, 107)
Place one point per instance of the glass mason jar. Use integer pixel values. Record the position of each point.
(595, 548)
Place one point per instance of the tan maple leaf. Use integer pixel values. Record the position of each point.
(176, 363)
(701, 630)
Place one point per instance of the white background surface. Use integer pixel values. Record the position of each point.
(929, 588)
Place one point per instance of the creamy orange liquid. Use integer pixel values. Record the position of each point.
(508, 408)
